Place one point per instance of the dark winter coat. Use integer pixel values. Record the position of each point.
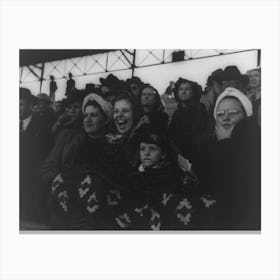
(59, 157)
(158, 120)
(230, 169)
(186, 127)
(35, 144)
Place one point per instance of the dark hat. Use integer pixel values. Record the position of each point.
(111, 80)
(44, 97)
(232, 73)
(77, 96)
(25, 93)
(90, 88)
(134, 80)
(215, 76)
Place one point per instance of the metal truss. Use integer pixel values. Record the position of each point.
(123, 59)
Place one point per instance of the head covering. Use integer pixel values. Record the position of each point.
(111, 80)
(215, 76)
(77, 96)
(25, 93)
(196, 89)
(134, 80)
(90, 88)
(106, 107)
(44, 97)
(233, 73)
(149, 134)
(233, 92)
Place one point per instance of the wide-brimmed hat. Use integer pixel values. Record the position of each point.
(111, 80)
(232, 73)
(25, 93)
(44, 97)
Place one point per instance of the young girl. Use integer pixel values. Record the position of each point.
(157, 199)
(189, 121)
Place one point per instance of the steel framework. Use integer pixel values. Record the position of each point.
(112, 61)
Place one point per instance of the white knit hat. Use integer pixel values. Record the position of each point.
(247, 105)
(106, 107)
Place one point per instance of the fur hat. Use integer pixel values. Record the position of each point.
(233, 92)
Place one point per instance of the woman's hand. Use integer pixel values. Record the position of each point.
(143, 120)
(184, 164)
(223, 133)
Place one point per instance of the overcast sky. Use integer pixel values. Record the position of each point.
(159, 76)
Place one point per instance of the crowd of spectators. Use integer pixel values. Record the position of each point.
(120, 155)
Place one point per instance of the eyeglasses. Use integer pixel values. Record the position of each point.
(230, 112)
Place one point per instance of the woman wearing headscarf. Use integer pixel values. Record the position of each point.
(73, 197)
(153, 109)
(189, 121)
(229, 163)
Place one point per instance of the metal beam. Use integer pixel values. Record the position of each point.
(34, 73)
(124, 55)
(127, 56)
(42, 75)
(133, 66)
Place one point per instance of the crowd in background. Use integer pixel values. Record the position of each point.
(121, 156)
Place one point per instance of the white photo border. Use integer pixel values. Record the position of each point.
(133, 24)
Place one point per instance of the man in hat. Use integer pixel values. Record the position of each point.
(231, 77)
(72, 117)
(212, 90)
(45, 110)
(67, 127)
(35, 144)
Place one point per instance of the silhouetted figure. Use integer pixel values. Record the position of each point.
(53, 88)
(35, 144)
(70, 85)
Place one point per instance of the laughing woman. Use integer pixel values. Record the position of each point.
(118, 156)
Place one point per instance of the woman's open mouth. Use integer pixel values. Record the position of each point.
(121, 124)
